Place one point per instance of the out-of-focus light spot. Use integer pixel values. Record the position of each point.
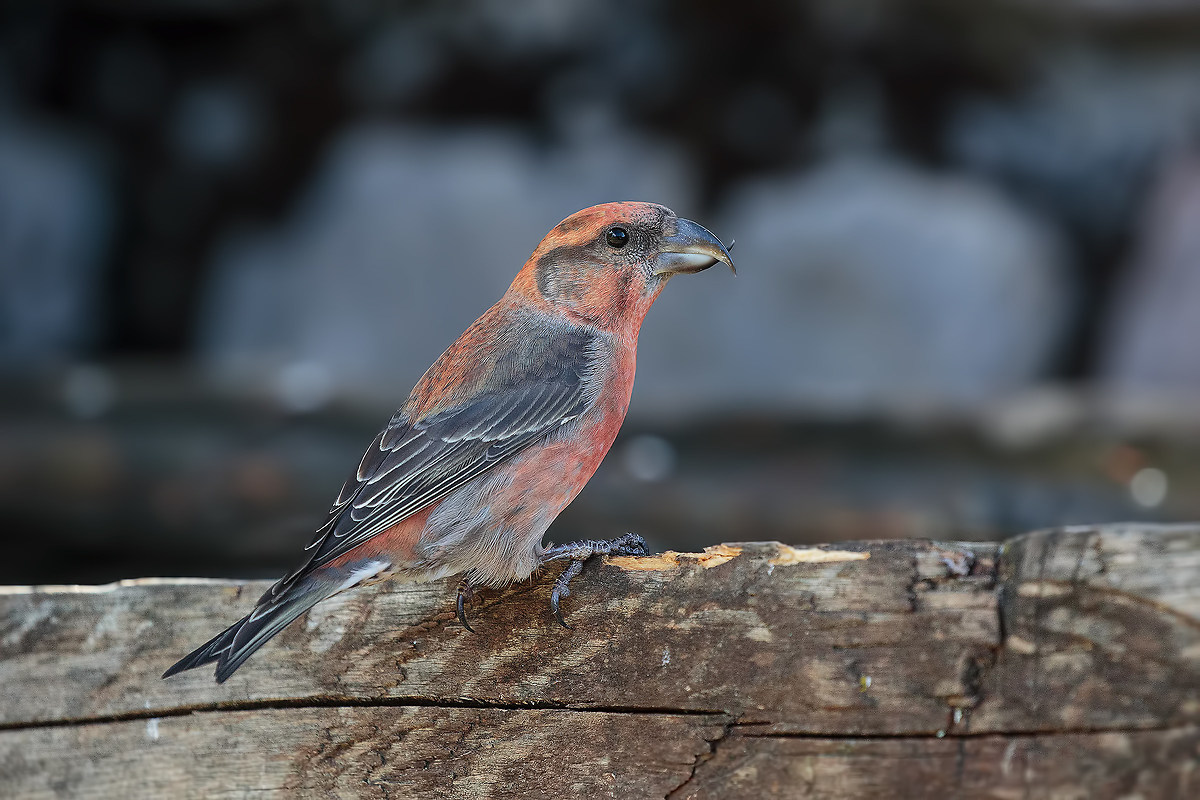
(216, 124)
(1123, 462)
(304, 386)
(1149, 487)
(88, 391)
(649, 458)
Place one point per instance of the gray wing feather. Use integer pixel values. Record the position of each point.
(411, 464)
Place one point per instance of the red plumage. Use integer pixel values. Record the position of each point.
(501, 433)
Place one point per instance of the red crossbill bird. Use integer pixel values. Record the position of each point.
(500, 434)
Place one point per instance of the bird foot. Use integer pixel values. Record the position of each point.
(578, 552)
(466, 594)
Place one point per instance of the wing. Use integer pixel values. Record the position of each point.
(415, 462)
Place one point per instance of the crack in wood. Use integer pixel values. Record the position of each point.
(285, 704)
(922, 736)
(701, 758)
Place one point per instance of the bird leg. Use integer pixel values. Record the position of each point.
(577, 553)
(466, 594)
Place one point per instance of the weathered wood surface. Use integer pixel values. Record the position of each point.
(1060, 664)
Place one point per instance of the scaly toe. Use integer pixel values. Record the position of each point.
(561, 590)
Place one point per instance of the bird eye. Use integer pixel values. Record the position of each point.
(616, 237)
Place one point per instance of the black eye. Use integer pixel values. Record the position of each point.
(616, 237)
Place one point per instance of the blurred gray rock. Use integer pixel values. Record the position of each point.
(862, 283)
(1086, 132)
(1153, 336)
(55, 222)
(403, 238)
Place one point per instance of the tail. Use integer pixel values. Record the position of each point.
(231, 647)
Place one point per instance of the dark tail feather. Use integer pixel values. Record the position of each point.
(231, 647)
(208, 652)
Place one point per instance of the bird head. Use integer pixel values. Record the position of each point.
(609, 262)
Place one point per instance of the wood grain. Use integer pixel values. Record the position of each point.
(1065, 658)
(1144, 764)
(368, 752)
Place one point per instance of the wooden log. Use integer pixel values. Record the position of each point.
(1058, 664)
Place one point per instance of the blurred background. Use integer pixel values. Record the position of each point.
(234, 233)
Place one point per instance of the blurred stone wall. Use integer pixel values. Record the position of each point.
(933, 201)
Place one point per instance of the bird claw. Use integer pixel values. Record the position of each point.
(466, 594)
(578, 552)
(561, 590)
